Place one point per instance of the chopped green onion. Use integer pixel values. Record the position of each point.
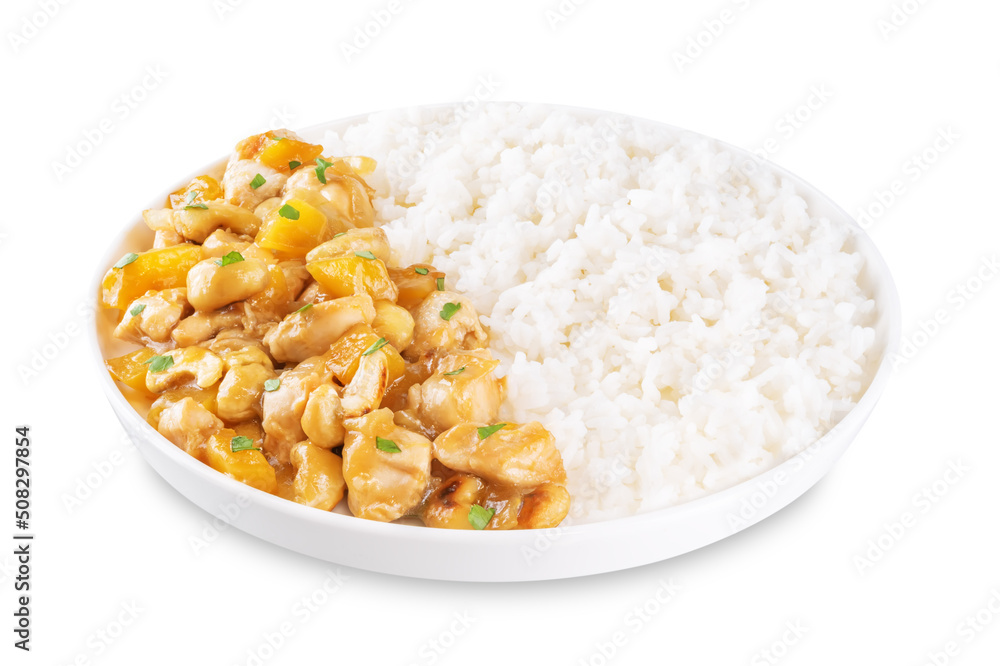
(422, 271)
(190, 197)
(486, 431)
(198, 206)
(387, 445)
(455, 372)
(480, 517)
(322, 166)
(294, 164)
(289, 212)
(276, 139)
(303, 308)
(159, 363)
(272, 385)
(365, 254)
(257, 181)
(231, 258)
(375, 347)
(449, 310)
(440, 284)
(137, 309)
(342, 233)
(241, 443)
(126, 260)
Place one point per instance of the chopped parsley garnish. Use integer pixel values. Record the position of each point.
(365, 254)
(440, 284)
(190, 197)
(198, 206)
(375, 347)
(272, 385)
(241, 443)
(303, 308)
(422, 271)
(276, 139)
(257, 181)
(342, 233)
(159, 363)
(322, 166)
(231, 258)
(137, 309)
(289, 212)
(449, 310)
(486, 431)
(455, 372)
(387, 445)
(126, 260)
(294, 164)
(480, 517)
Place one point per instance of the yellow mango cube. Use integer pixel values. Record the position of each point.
(247, 466)
(164, 268)
(354, 274)
(292, 229)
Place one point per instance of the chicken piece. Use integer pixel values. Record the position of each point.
(247, 466)
(241, 390)
(189, 365)
(296, 276)
(166, 238)
(315, 293)
(449, 504)
(371, 239)
(153, 317)
(387, 468)
(367, 388)
(345, 198)
(463, 389)
(221, 242)
(283, 408)
(202, 326)
(197, 223)
(544, 507)
(323, 418)
(444, 322)
(319, 476)
(241, 176)
(188, 425)
(211, 285)
(311, 330)
(236, 348)
(415, 283)
(519, 456)
(394, 323)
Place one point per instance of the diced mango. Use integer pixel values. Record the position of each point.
(164, 268)
(292, 238)
(205, 188)
(414, 285)
(278, 154)
(248, 466)
(131, 368)
(345, 354)
(359, 165)
(351, 275)
(394, 323)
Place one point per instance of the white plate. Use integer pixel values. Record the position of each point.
(563, 552)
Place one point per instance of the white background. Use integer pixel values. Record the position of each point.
(225, 71)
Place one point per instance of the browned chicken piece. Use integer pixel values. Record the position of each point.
(202, 326)
(191, 365)
(319, 477)
(283, 408)
(241, 391)
(323, 418)
(520, 456)
(462, 390)
(240, 176)
(366, 390)
(153, 317)
(387, 468)
(196, 224)
(311, 330)
(443, 322)
(449, 504)
(544, 507)
(210, 285)
(188, 425)
(371, 239)
(393, 323)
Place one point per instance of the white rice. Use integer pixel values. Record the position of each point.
(678, 325)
